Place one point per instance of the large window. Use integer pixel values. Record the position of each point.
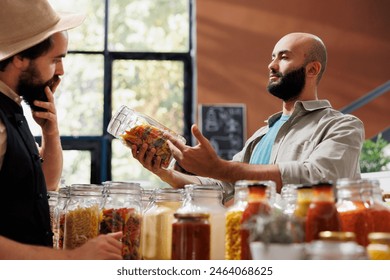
(132, 52)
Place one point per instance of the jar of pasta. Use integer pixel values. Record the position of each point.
(59, 217)
(122, 211)
(52, 197)
(191, 236)
(134, 128)
(156, 237)
(233, 218)
(82, 214)
(208, 199)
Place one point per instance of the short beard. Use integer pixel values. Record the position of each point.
(289, 86)
(31, 88)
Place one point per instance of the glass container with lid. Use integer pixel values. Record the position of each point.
(156, 234)
(122, 211)
(208, 199)
(82, 214)
(134, 128)
(191, 236)
(335, 245)
(361, 209)
(233, 218)
(322, 214)
(258, 204)
(59, 217)
(379, 247)
(52, 197)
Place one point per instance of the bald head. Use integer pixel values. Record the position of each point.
(311, 47)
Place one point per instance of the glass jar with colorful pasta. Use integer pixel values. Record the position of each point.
(82, 214)
(122, 211)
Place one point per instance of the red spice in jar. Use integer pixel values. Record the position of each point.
(322, 214)
(191, 236)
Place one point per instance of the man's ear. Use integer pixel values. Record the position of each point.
(20, 62)
(313, 68)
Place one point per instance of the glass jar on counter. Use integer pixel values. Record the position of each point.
(322, 214)
(289, 195)
(233, 218)
(335, 245)
(122, 211)
(379, 246)
(258, 204)
(156, 234)
(59, 217)
(361, 209)
(208, 199)
(191, 236)
(147, 195)
(82, 214)
(135, 128)
(52, 197)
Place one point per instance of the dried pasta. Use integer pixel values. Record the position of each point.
(151, 135)
(233, 236)
(81, 224)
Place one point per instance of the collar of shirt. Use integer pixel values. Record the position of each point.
(10, 93)
(302, 107)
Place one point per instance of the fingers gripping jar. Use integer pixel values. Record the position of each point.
(122, 211)
(134, 128)
(82, 214)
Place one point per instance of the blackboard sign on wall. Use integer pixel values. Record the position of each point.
(224, 125)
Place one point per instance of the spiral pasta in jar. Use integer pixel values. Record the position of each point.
(82, 214)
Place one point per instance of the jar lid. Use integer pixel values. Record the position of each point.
(255, 183)
(191, 216)
(337, 235)
(379, 236)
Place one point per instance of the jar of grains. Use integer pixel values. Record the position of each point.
(82, 214)
(156, 238)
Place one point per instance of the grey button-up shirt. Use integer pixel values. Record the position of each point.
(316, 143)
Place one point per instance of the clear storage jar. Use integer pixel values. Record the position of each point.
(258, 204)
(361, 209)
(52, 197)
(191, 236)
(59, 217)
(135, 128)
(122, 211)
(82, 214)
(156, 236)
(322, 214)
(208, 199)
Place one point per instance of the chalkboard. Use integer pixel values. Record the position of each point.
(224, 125)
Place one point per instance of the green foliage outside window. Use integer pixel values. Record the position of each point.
(372, 157)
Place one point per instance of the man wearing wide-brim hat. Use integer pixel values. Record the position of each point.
(33, 42)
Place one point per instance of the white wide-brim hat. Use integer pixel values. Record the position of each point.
(25, 23)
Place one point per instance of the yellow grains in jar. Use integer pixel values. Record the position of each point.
(81, 224)
(232, 235)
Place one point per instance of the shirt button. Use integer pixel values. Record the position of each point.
(20, 123)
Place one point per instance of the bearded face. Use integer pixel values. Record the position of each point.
(31, 87)
(289, 86)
